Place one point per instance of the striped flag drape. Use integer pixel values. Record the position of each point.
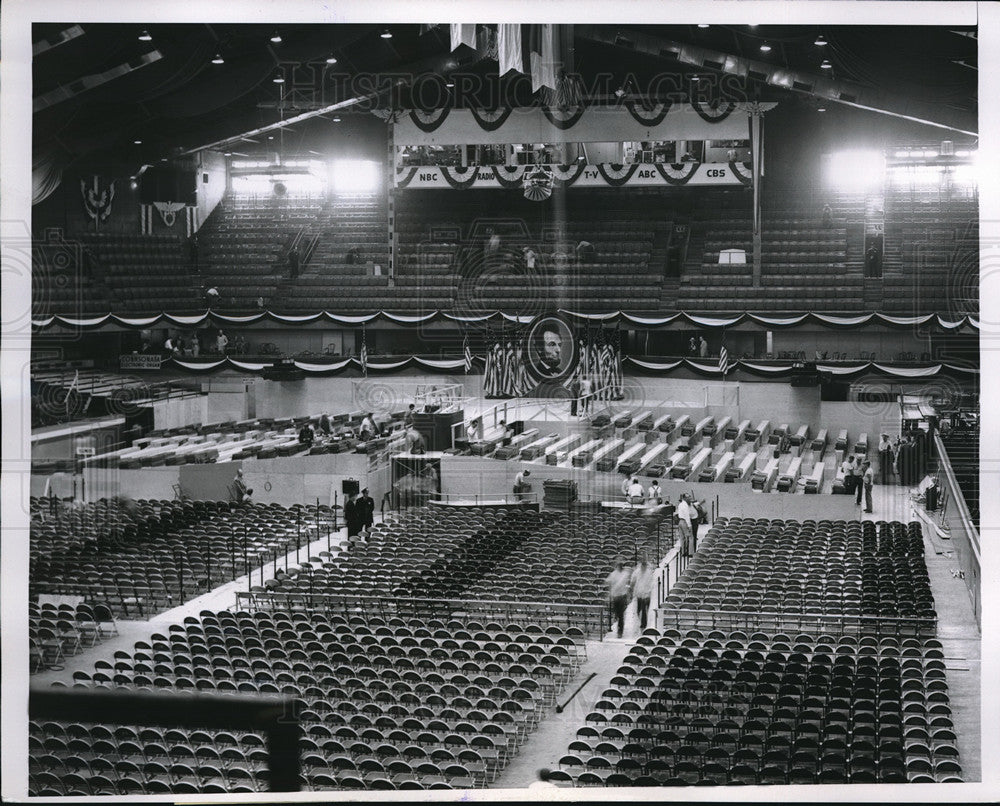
(723, 357)
(600, 360)
(467, 355)
(364, 351)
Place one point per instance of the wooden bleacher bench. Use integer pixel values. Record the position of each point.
(698, 463)
(842, 440)
(605, 457)
(759, 436)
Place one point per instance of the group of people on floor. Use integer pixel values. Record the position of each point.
(359, 512)
(625, 584)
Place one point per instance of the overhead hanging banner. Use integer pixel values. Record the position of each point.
(599, 176)
(627, 122)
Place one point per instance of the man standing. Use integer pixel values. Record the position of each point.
(654, 495)
(858, 473)
(574, 395)
(366, 510)
(867, 479)
(586, 393)
(884, 459)
(702, 347)
(221, 342)
(409, 417)
(643, 579)
(353, 515)
(617, 582)
(684, 522)
(847, 468)
(521, 486)
(635, 492)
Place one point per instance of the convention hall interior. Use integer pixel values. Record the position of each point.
(493, 406)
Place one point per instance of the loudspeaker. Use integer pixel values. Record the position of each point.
(834, 391)
(204, 178)
(350, 487)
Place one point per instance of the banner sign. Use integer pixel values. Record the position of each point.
(638, 174)
(140, 361)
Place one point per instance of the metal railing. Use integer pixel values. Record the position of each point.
(592, 619)
(964, 535)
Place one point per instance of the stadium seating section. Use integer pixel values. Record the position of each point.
(930, 260)
(139, 558)
(854, 692)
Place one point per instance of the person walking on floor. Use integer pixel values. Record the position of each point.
(884, 459)
(643, 579)
(618, 582)
(858, 486)
(586, 392)
(353, 515)
(868, 480)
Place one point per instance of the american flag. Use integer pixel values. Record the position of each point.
(723, 357)
(468, 356)
(364, 351)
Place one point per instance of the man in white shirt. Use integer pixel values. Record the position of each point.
(474, 430)
(618, 583)
(635, 492)
(684, 514)
(868, 479)
(586, 393)
(654, 495)
(643, 580)
(521, 485)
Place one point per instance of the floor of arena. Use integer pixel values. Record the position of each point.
(956, 630)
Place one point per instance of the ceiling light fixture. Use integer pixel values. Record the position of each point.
(825, 64)
(218, 59)
(278, 78)
(276, 38)
(820, 108)
(449, 83)
(145, 37)
(820, 41)
(386, 34)
(137, 142)
(702, 24)
(336, 119)
(331, 59)
(765, 48)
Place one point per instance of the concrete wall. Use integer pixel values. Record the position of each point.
(181, 411)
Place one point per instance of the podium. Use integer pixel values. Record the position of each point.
(435, 427)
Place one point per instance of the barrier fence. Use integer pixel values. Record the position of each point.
(594, 620)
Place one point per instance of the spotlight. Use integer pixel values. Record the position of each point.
(278, 78)
(702, 24)
(449, 83)
(218, 59)
(133, 183)
(137, 142)
(331, 59)
(765, 48)
(270, 137)
(386, 33)
(825, 64)
(820, 108)
(276, 38)
(336, 119)
(145, 37)
(820, 41)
